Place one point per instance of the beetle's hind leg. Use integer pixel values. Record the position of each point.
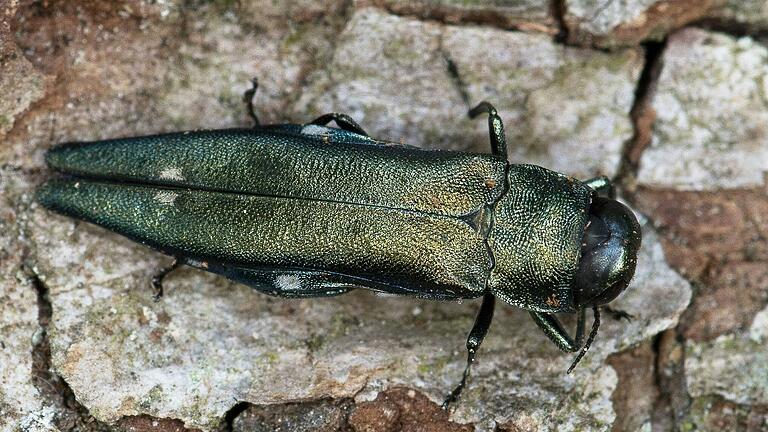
(495, 127)
(248, 97)
(344, 121)
(476, 336)
(157, 279)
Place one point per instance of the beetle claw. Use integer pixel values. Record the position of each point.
(456, 393)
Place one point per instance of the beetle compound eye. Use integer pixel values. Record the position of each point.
(608, 253)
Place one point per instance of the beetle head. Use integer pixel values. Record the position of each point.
(608, 253)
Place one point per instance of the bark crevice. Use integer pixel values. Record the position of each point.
(70, 414)
(642, 116)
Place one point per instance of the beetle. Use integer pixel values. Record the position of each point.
(300, 211)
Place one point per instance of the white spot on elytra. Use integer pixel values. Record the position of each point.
(166, 197)
(288, 282)
(195, 263)
(171, 173)
(314, 130)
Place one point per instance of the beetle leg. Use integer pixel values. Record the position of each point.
(618, 314)
(344, 121)
(495, 127)
(580, 324)
(556, 333)
(157, 279)
(476, 336)
(590, 339)
(602, 185)
(551, 327)
(248, 98)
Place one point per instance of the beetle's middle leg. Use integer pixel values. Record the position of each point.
(157, 279)
(344, 121)
(476, 336)
(495, 127)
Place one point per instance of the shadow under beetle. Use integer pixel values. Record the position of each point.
(308, 210)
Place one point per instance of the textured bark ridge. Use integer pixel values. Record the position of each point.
(667, 97)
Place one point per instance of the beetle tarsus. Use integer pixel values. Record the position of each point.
(344, 121)
(580, 325)
(157, 279)
(495, 127)
(618, 314)
(476, 335)
(456, 393)
(248, 98)
(590, 339)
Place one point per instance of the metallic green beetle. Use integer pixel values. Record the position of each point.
(311, 211)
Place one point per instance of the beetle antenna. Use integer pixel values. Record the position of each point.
(590, 339)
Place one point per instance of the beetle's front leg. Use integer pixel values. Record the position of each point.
(344, 121)
(157, 279)
(476, 336)
(554, 330)
(495, 127)
(551, 326)
(602, 185)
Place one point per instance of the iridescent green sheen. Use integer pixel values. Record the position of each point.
(430, 223)
(536, 239)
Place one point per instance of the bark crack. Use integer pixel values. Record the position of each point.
(321, 63)
(70, 414)
(453, 72)
(233, 413)
(642, 116)
(559, 10)
(731, 27)
(456, 15)
(673, 403)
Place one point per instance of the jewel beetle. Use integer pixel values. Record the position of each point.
(308, 210)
